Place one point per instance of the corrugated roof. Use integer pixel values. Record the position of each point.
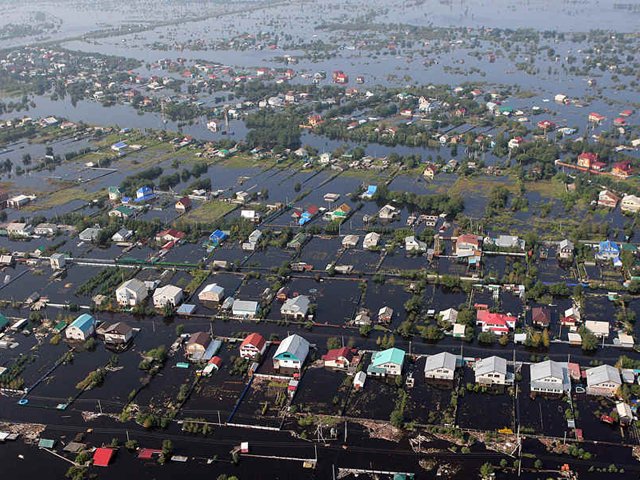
(490, 365)
(602, 374)
(295, 346)
(390, 355)
(440, 360)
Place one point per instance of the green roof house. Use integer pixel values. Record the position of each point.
(387, 362)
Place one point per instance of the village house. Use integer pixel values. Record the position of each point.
(90, 234)
(492, 371)
(450, 315)
(122, 235)
(412, 244)
(599, 328)
(540, 317)
(630, 203)
(253, 346)
(371, 240)
(550, 377)
(291, 353)
(131, 293)
(497, 323)
(252, 241)
(213, 293)
(338, 358)
(609, 251)
(362, 317)
(18, 229)
(167, 295)
(385, 314)
(19, 201)
(622, 169)
(46, 229)
(587, 160)
(441, 366)
(386, 362)
(467, 245)
(603, 380)
(251, 215)
(81, 328)
(295, 308)
(430, 172)
(244, 308)
(122, 211)
(197, 344)
(117, 334)
(169, 235)
(565, 249)
(388, 212)
(183, 205)
(58, 261)
(350, 241)
(359, 380)
(608, 199)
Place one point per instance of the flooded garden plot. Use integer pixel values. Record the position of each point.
(320, 251)
(496, 401)
(397, 260)
(264, 403)
(362, 260)
(440, 298)
(322, 391)
(541, 414)
(219, 392)
(26, 362)
(497, 267)
(590, 409)
(452, 266)
(336, 299)
(270, 257)
(229, 253)
(430, 401)
(375, 401)
(62, 384)
(551, 271)
(389, 294)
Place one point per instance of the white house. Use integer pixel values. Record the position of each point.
(118, 334)
(82, 328)
(131, 293)
(211, 293)
(291, 353)
(371, 240)
(244, 308)
(167, 295)
(550, 377)
(491, 371)
(630, 203)
(295, 308)
(412, 244)
(603, 380)
(441, 366)
(450, 315)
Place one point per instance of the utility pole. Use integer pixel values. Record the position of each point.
(345, 431)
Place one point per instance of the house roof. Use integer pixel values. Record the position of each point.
(541, 315)
(118, 328)
(545, 369)
(490, 365)
(245, 306)
(136, 285)
(213, 287)
(295, 346)
(199, 338)
(84, 322)
(254, 339)
(440, 360)
(102, 456)
(337, 353)
(390, 355)
(603, 374)
(299, 304)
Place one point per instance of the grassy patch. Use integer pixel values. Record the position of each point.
(60, 197)
(546, 188)
(209, 211)
(481, 184)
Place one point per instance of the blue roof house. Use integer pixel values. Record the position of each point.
(82, 328)
(144, 193)
(386, 362)
(370, 192)
(218, 237)
(609, 251)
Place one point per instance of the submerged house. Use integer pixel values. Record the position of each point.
(81, 328)
(550, 377)
(386, 362)
(603, 380)
(291, 353)
(441, 366)
(492, 371)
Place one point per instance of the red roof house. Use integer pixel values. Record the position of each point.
(338, 357)
(102, 456)
(495, 322)
(252, 346)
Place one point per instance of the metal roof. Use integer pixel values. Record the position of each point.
(440, 360)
